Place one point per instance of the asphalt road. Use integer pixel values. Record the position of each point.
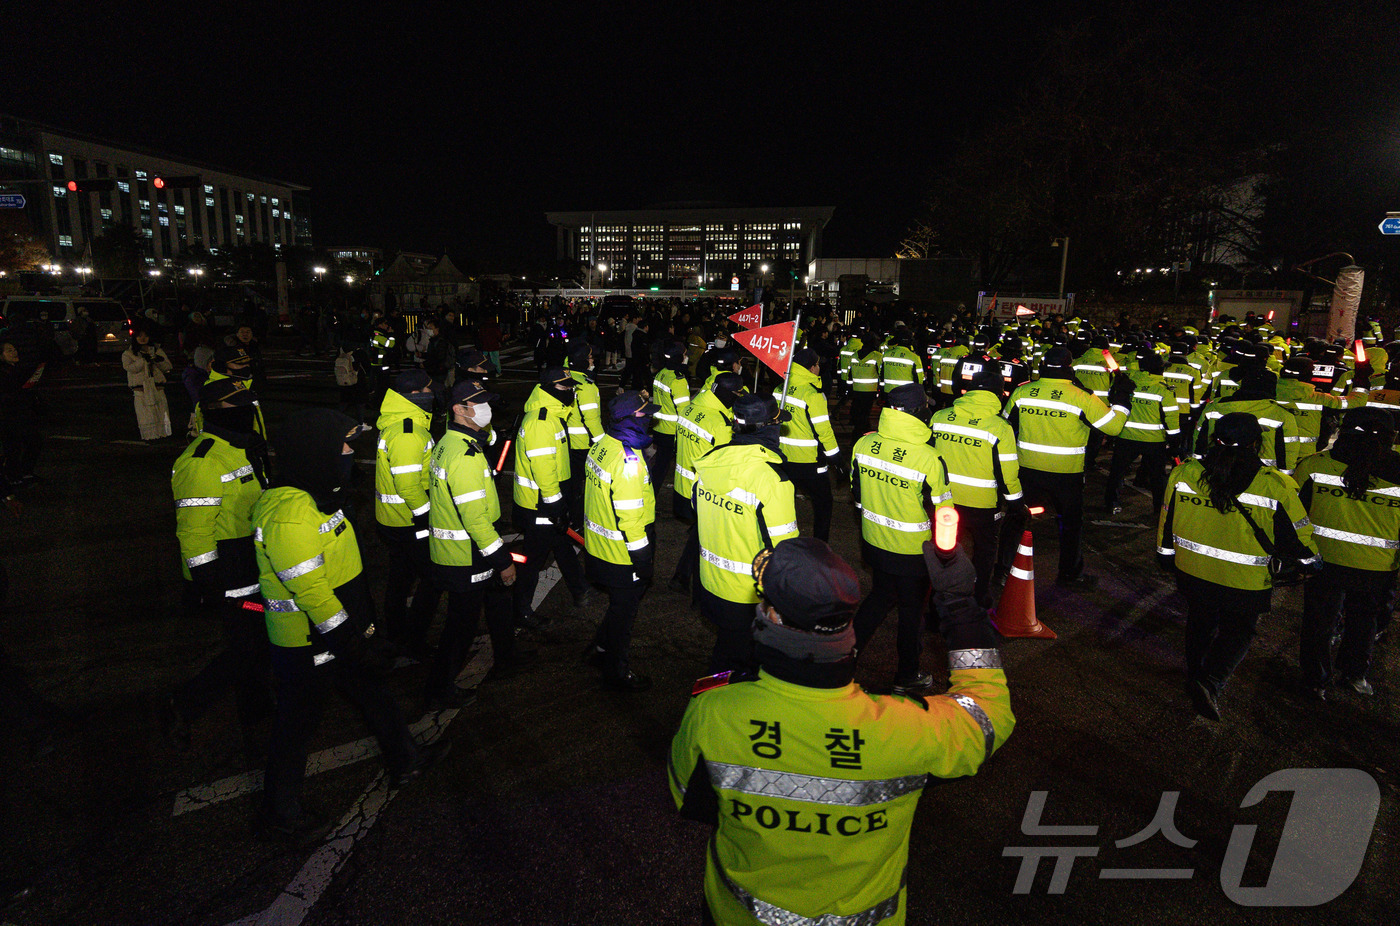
(552, 807)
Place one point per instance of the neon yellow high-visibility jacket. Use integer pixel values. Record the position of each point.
(1362, 533)
(1153, 415)
(585, 415)
(304, 557)
(672, 393)
(1092, 372)
(743, 503)
(1280, 444)
(807, 438)
(465, 505)
(1220, 546)
(865, 370)
(890, 468)
(1052, 418)
(619, 506)
(900, 365)
(948, 359)
(1187, 383)
(215, 487)
(542, 452)
(704, 425)
(382, 343)
(1307, 406)
(979, 449)
(848, 355)
(817, 788)
(401, 461)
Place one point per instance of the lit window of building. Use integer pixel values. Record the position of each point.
(123, 186)
(60, 191)
(56, 159)
(65, 241)
(139, 174)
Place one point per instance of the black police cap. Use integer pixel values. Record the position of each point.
(811, 587)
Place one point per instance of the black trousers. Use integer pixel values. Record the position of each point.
(242, 665)
(1220, 625)
(1091, 449)
(614, 636)
(733, 623)
(662, 465)
(465, 600)
(978, 531)
(910, 593)
(817, 487)
(301, 697)
(409, 564)
(573, 489)
(688, 566)
(21, 442)
(1064, 492)
(540, 540)
(1154, 465)
(861, 404)
(1366, 596)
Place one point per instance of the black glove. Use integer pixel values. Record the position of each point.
(345, 642)
(558, 515)
(206, 577)
(1121, 392)
(644, 566)
(962, 622)
(1166, 563)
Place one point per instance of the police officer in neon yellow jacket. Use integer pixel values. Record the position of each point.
(619, 510)
(401, 508)
(743, 502)
(1224, 517)
(216, 482)
(811, 782)
(670, 390)
(1352, 494)
(807, 442)
(467, 551)
(1152, 431)
(706, 423)
(542, 471)
(895, 473)
(865, 384)
(898, 363)
(1255, 395)
(585, 421)
(979, 449)
(318, 611)
(1053, 418)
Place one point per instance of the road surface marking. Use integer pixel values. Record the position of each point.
(296, 900)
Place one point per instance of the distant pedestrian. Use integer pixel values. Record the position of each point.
(20, 435)
(146, 366)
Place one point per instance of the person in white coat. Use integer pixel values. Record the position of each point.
(146, 366)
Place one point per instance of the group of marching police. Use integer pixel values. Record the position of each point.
(1269, 460)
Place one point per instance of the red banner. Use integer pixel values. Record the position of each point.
(773, 345)
(750, 318)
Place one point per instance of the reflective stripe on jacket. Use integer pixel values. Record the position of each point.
(807, 438)
(586, 414)
(1153, 414)
(1280, 440)
(303, 556)
(618, 504)
(215, 488)
(465, 506)
(542, 451)
(1052, 418)
(704, 425)
(671, 392)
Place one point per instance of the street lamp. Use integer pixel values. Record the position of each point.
(319, 271)
(196, 272)
(1064, 260)
(603, 273)
(154, 273)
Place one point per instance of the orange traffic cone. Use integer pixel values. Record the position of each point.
(1015, 614)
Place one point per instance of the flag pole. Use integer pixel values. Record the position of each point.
(796, 326)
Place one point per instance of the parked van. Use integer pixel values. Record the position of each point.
(108, 316)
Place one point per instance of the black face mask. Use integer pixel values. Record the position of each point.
(566, 396)
(240, 419)
(421, 400)
(309, 455)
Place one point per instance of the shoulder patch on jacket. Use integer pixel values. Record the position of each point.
(544, 414)
(408, 425)
(205, 446)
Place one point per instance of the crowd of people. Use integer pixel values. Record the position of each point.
(1268, 460)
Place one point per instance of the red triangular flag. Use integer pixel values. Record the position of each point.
(773, 345)
(750, 318)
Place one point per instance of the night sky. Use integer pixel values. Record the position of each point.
(431, 127)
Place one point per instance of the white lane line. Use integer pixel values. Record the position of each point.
(296, 900)
(1119, 524)
(134, 443)
(67, 437)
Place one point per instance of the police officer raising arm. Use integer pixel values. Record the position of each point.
(812, 782)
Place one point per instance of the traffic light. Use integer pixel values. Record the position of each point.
(176, 183)
(92, 186)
